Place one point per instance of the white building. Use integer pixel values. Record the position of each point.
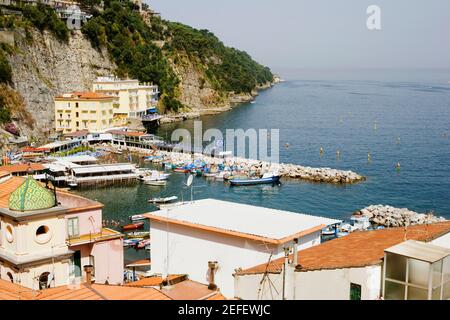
(133, 99)
(186, 237)
(348, 268)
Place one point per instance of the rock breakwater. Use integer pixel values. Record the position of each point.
(388, 216)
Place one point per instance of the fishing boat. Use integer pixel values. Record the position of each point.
(137, 217)
(163, 200)
(209, 174)
(133, 226)
(267, 178)
(181, 170)
(138, 235)
(142, 244)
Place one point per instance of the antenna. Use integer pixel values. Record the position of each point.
(189, 183)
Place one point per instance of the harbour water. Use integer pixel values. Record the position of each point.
(396, 119)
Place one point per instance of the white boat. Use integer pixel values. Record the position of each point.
(157, 183)
(163, 200)
(328, 231)
(137, 217)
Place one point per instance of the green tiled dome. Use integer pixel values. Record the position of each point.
(31, 195)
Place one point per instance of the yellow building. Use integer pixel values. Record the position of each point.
(132, 99)
(84, 110)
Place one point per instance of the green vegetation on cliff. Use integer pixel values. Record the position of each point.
(129, 41)
(132, 44)
(227, 69)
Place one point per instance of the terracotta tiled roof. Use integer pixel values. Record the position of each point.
(10, 291)
(359, 249)
(7, 187)
(78, 133)
(189, 290)
(85, 96)
(155, 281)
(127, 133)
(17, 168)
(101, 292)
(4, 174)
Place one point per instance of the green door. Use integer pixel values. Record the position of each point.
(77, 263)
(355, 291)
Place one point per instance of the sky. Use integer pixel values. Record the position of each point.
(324, 34)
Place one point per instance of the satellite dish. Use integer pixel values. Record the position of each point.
(190, 180)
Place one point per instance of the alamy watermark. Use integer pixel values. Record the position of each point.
(374, 19)
(261, 144)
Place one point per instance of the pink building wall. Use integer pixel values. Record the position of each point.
(88, 221)
(111, 255)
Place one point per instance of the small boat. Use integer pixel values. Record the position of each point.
(142, 244)
(138, 235)
(137, 217)
(209, 175)
(133, 226)
(181, 170)
(328, 231)
(163, 200)
(147, 246)
(265, 179)
(157, 183)
(131, 242)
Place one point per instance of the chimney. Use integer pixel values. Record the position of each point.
(295, 253)
(212, 266)
(88, 269)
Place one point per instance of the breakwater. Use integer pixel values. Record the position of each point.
(251, 167)
(388, 216)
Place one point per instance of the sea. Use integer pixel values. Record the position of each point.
(398, 117)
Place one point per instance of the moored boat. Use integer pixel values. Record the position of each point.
(265, 179)
(137, 217)
(157, 183)
(133, 226)
(142, 244)
(163, 200)
(139, 235)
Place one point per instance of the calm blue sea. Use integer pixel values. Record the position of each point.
(396, 116)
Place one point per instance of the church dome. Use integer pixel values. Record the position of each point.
(31, 195)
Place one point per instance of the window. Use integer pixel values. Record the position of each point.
(77, 114)
(10, 276)
(9, 234)
(44, 281)
(72, 227)
(76, 105)
(355, 291)
(43, 235)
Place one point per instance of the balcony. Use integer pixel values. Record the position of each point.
(105, 234)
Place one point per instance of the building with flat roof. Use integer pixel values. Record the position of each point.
(347, 268)
(186, 237)
(131, 98)
(78, 111)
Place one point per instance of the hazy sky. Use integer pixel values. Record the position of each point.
(324, 33)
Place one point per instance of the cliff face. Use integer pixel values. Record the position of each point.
(46, 67)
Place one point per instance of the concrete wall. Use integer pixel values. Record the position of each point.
(108, 259)
(183, 250)
(88, 222)
(312, 285)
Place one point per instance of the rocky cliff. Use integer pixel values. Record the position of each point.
(196, 73)
(44, 67)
